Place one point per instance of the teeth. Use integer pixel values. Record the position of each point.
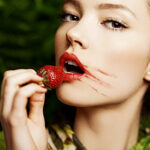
(72, 66)
(69, 62)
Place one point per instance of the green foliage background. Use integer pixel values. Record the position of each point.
(27, 29)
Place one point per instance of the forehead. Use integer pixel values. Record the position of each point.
(130, 3)
(133, 5)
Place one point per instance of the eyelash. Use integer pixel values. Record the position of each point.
(64, 16)
(115, 24)
(110, 23)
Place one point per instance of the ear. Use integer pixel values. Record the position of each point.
(147, 73)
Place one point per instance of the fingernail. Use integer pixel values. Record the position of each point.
(44, 89)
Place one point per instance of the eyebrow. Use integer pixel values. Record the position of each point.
(102, 6)
(73, 2)
(115, 6)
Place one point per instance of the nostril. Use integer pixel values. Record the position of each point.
(78, 43)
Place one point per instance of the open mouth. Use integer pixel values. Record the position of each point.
(72, 67)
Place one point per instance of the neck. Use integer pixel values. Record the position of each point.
(110, 127)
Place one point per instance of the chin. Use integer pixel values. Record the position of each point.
(68, 94)
(80, 96)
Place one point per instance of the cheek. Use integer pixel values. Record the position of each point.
(128, 61)
(126, 58)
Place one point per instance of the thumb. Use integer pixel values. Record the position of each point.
(36, 107)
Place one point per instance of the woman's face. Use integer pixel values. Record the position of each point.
(111, 39)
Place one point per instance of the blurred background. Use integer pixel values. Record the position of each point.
(27, 29)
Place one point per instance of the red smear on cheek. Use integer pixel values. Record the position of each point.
(76, 76)
(88, 75)
(105, 73)
(94, 89)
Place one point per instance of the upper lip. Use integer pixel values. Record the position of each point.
(70, 57)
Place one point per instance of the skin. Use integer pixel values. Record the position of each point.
(126, 61)
(107, 111)
(15, 122)
(122, 52)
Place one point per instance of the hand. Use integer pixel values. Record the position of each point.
(22, 130)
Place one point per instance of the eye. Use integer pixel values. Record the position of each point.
(114, 25)
(66, 17)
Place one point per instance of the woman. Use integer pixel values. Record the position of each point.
(107, 43)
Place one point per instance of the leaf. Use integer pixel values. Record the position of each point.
(144, 144)
(2, 142)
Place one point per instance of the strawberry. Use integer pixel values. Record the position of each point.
(53, 76)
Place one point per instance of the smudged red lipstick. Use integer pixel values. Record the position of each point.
(72, 59)
(70, 76)
(106, 74)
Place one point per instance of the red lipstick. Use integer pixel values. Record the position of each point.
(70, 76)
(75, 75)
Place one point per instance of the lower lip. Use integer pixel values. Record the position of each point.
(72, 76)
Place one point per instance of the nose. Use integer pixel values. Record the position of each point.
(76, 37)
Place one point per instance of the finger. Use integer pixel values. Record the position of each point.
(14, 72)
(11, 75)
(6, 100)
(21, 77)
(12, 84)
(6, 75)
(21, 98)
(36, 108)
